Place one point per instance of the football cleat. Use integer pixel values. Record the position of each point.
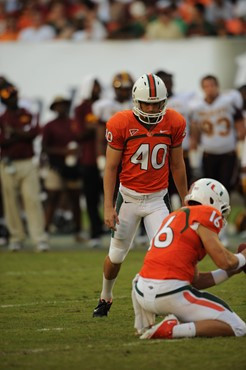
(102, 308)
(43, 247)
(163, 330)
(15, 246)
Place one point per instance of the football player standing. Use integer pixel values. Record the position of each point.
(146, 141)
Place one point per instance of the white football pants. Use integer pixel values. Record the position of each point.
(131, 208)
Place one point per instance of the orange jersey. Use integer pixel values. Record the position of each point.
(176, 248)
(145, 158)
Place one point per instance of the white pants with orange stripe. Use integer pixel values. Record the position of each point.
(131, 208)
(162, 297)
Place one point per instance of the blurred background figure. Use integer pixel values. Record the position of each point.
(165, 25)
(19, 175)
(58, 19)
(120, 19)
(199, 25)
(10, 31)
(217, 121)
(241, 217)
(131, 24)
(178, 102)
(105, 108)
(37, 31)
(87, 24)
(60, 145)
(92, 181)
(217, 124)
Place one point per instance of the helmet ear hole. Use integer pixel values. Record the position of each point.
(211, 200)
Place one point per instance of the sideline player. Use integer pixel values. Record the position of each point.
(145, 141)
(105, 107)
(217, 122)
(169, 280)
(180, 103)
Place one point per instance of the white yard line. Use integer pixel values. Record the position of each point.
(43, 272)
(37, 350)
(50, 329)
(51, 302)
(150, 341)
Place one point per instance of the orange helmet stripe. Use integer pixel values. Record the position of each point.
(152, 86)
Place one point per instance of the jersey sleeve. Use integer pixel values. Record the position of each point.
(179, 129)
(115, 132)
(208, 217)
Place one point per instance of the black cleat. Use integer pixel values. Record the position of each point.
(102, 308)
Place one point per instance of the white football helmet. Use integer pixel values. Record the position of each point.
(210, 192)
(149, 88)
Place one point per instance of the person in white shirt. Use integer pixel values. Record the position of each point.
(217, 124)
(38, 31)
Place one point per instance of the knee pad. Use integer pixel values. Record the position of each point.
(118, 250)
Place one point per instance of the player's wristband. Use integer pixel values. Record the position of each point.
(241, 260)
(219, 276)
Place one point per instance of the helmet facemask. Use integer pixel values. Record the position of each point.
(150, 118)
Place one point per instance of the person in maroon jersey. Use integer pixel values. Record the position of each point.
(60, 144)
(19, 175)
(92, 182)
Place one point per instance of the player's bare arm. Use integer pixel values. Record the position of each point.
(195, 135)
(222, 257)
(177, 166)
(204, 280)
(113, 159)
(240, 129)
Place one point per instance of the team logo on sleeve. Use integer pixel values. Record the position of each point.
(109, 136)
(133, 131)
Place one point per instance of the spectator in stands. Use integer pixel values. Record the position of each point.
(60, 144)
(164, 27)
(38, 31)
(19, 175)
(10, 32)
(90, 28)
(198, 25)
(92, 182)
(219, 9)
(57, 18)
(124, 19)
(135, 24)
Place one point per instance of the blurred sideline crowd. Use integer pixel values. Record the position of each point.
(79, 20)
(53, 194)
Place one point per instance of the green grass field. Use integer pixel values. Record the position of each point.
(46, 317)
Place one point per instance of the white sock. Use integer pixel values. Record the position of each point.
(184, 330)
(107, 288)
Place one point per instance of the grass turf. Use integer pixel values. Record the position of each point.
(46, 318)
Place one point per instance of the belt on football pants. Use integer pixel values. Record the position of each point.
(165, 294)
(199, 294)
